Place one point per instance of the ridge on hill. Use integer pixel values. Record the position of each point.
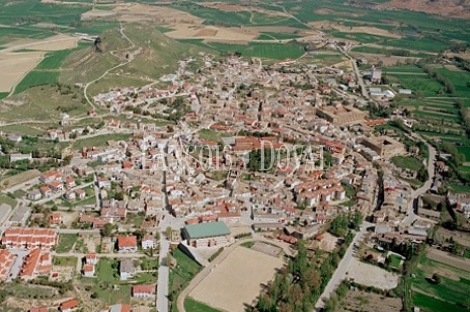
(153, 55)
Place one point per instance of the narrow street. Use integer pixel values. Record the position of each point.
(340, 272)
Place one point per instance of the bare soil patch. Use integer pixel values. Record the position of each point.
(452, 67)
(236, 281)
(15, 66)
(370, 275)
(367, 30)
(239, 8)
(21, 177)
(387, 61)
(451, 8)
(460, 237)
(442, 256)
(212, 33)
(357, 300)
(206, 33)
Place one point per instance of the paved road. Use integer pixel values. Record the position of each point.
(411, 216)
(163, 276)
(340, 272)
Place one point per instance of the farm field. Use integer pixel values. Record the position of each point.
(277, 36)
(36, 78)
(54, 60)
(255, 49)
(242, 280)
(450, 294)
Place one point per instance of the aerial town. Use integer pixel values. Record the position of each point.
(235, 183)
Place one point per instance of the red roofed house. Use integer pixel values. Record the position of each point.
(39, 309)
(51, 176)
(55, 218)
(29, 238)
(143, 291)
(88, 270)
(91, 258)
(117, 308)
(45, 191)
(70, 182)
(127, 243)
(69, 305)
(6, 262)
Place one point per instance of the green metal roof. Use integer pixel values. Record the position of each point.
(203, 230)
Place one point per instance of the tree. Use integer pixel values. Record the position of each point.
(107, 230)
(436, 278)
(168, 232)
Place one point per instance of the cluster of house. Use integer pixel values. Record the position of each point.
(70, 305)
(36, 242)
(54, 182)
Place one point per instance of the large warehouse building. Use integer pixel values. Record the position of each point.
(207, 234)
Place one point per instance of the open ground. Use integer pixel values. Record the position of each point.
(15, 65)
(237, 280)
(370, 275)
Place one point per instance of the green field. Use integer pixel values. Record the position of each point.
(464, 150)
(99, 140)
(417, 83)
(54, 60)
(407, 162)
(459, 79)
(277, 36)
(5, 199)
(66, 242)
(36, 78)
(181, 275)
(430, 304)
(387, 51)
(242, 18)
(459, 188)
(403, 69)
(255, 49)
(451, 293)
(34, 11)
(195, 306)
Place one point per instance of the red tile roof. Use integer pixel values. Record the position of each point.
(69, 304)
(127, 241)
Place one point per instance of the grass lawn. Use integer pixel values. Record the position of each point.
(5, 199)
(395, 261)
(181, 275)
(209, 135)
(66, 242)
(99, 140)
(65, 261)
(22, 130)
(247, 244)
(42, 103)
(195, 306)
(407, 162)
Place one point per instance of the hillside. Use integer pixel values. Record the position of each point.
(152, 56)
(448, 8)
